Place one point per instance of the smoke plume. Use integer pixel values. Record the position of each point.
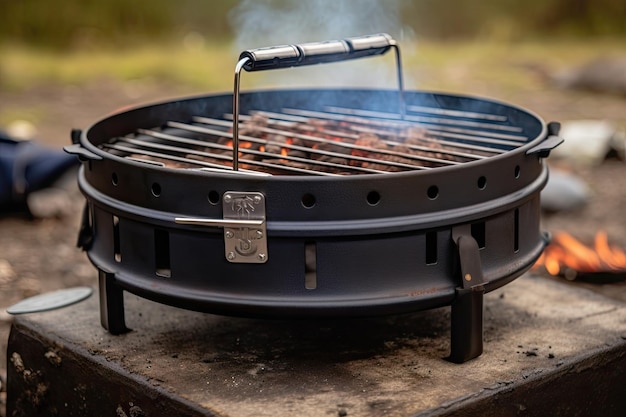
(268, 23)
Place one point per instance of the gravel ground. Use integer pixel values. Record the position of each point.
(39, 255)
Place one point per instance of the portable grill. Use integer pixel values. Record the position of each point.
(317, 202)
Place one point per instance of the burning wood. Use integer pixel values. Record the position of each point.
(338, 143)
(568, 257)
(319, 143)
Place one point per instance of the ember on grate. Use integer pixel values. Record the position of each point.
(338, 142)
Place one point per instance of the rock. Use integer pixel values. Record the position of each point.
(590, 141)
(7, 273)
(602, 74)
(58, 200)
(564, 192)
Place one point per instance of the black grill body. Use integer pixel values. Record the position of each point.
(429, 238)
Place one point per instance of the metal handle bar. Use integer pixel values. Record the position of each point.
(218, 222)
(287, 56)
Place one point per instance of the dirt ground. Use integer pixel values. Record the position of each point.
(40, 255)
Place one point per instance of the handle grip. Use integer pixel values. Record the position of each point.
(286, 56)
(550, 142)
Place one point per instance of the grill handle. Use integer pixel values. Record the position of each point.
(550, 142)
(287, 56)
(218, 222)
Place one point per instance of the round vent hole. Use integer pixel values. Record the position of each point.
(482, 182)
(432, 192)
(214, 197)
(308, 200)
(373, 198)
(156, 189)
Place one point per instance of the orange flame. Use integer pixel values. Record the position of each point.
(566, 253)
(285, 151)
(242, 144)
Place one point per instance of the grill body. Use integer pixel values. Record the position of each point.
(353, 245)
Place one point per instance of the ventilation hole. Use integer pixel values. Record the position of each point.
(114, 179)
(478, 233)
(156, 189)
(310, 266)
(432, 192)
(518, 171)
(482, 182)
(308, 200)
(431, 248)
(516, 231)
(162, 253)
(117, 254)
(214, 197)
(373, 198)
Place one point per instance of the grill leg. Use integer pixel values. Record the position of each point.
(466, 335)
(111, 304)
(466, 330)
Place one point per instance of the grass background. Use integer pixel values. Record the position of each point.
(488, 47)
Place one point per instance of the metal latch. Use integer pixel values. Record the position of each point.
(245, 239)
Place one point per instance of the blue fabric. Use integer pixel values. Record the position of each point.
(26, 166)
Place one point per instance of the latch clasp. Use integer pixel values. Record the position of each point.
(246, 243)
(245, 237)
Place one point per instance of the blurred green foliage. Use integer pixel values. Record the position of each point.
(84, 24)
(517, 19)
(79, 24)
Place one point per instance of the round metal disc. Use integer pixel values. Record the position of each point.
(51, 300)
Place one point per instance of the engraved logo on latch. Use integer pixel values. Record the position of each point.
(243, 207)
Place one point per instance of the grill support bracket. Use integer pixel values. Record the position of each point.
(466, 330)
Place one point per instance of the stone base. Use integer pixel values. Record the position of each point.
(550, 349)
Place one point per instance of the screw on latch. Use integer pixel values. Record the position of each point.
(262, 256)
(259, 234)
(228, 198)
(257, 199)
(231, 256)
(229, 234)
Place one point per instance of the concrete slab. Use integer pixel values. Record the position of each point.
(550, 349)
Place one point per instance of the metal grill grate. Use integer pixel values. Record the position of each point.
(336, 141)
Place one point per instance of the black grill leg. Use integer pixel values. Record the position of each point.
(466, 336)
(111, 304)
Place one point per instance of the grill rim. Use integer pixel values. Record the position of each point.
(86, 139)
(320, 228)
(141, 175)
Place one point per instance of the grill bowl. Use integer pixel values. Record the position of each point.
(393, 256)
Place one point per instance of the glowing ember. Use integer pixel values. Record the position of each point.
(242, 144)
(285, 151)
(565, 255)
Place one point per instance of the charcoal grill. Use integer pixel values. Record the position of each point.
(318, 202)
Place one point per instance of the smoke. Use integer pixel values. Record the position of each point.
(273, 22)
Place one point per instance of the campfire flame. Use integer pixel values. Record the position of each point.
(567, 256)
